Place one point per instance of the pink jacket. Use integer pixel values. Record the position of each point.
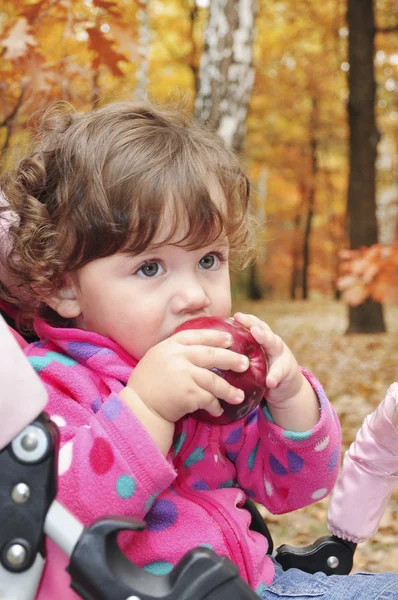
(370, 473)
(109, 464)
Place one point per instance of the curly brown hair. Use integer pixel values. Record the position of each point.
(96, 183)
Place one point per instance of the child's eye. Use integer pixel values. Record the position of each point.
(151, 269)
(210, 261)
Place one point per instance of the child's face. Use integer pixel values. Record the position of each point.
(138, 301)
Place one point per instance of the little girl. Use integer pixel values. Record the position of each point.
(125, 222)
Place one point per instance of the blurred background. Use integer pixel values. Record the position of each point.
(307, 93)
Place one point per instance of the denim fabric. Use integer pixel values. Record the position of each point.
(297, 585)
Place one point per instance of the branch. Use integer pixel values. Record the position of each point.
(390, 29)
(14, 111)
(45, 12)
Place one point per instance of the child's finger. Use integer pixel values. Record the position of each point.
(218, 387)
(272, 343)
(274, 377)
(203, 337)
(210, 357)
(211, 404)
(250, 321)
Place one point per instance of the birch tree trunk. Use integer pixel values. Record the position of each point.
(226, 71)
(225, 83)
(143, 46)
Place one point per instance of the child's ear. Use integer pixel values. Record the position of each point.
(66, 301)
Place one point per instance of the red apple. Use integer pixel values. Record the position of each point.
(251, 381)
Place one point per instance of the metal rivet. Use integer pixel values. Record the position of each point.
(30, 441)
(31, 445)
(16, 555)
(333, 562)
(20, 493)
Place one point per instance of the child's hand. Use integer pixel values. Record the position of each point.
(290, 398)
(284, 379)
(174, 377)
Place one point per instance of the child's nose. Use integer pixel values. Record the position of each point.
(189, 297)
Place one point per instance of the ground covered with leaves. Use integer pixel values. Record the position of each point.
(356, 371)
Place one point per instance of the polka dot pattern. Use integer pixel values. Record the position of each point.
(226, 484)
(101, 456)
(125, 486)
(58, 420)
(234, 436)
(276, 466)
(323, 444)
(267, 413)
(196, 456)
(162, 515)
(269, 490)
(112, 408)
(297, 435)
(318, 494)
(252, 416)
(150, 501)
(96, 405)
(261, 589)
(178, 443)
(231, 456)
(333, 460)
(65, 458)
(83, 350)
(158, 567)
(295, 462)
(252, 456)
(41, 362)
(200, 485)
(195, 467)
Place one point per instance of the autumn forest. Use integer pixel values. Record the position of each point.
(307, 93)
(279, 95)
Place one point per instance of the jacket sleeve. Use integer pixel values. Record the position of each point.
(369, 474)
(107, 461)
(286, 470)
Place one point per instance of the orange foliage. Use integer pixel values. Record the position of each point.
(105, 52)
(369, 273)
(89, 51)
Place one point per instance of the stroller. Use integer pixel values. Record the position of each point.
(98, 569)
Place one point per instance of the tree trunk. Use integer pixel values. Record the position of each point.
(226, 77)
(8, 122)
(254, 289)
(295, 273)
(193, 12)
(306, 241)
(361, 206)
(96, 90)
(226, 71)
(143, 48)
(311, 196)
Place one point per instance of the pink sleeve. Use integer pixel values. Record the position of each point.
(369, 475)
(107, 461)
(22, 396)
(286, 470)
